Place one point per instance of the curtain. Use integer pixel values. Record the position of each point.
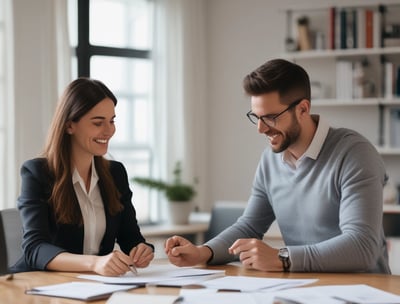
(38, 60)
(179, 90)
(7, 169)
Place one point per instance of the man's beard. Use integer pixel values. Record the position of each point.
(289, 137)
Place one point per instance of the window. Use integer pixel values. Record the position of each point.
(113, 41)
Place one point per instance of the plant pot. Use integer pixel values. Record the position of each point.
(179, 212)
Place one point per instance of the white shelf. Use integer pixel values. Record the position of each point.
(332, 102)
(390, 102)
(314, 54)
(387, 208)
(345, 102)
(388, 151)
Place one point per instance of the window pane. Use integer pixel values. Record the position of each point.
(132, 123)
(137, 163)
(120, 23)
(126, 75)
(141, 121)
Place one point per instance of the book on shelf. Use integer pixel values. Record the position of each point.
(369, 19)
(332, 27)
(350, 80)
(343, 29)
(377, 29)
(388, 79)
(395, 128)
(397, 81)
(360, 27)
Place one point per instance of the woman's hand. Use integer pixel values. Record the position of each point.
(113, 264)
(141, 255)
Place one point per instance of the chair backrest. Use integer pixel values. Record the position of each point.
(223, 215)
(10, 238)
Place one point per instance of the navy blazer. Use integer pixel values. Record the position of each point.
(43, 238)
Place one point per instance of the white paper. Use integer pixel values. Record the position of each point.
(159, 274)
(125, 297)
(229, 298)
(360, 293)
(306, 295)
(78, 290)
(247, 284)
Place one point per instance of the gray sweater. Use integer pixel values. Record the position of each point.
(329, 210)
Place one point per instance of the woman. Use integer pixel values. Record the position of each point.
(75, 204)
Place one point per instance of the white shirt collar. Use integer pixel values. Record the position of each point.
(319, 138)
(76, 178)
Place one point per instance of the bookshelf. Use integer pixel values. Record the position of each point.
(354, 69)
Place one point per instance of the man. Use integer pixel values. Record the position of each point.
(323, 186)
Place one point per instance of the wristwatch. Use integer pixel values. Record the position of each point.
(283, 255)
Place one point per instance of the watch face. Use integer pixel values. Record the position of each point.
(284, 253)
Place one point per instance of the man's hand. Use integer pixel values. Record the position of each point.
(182, 252)
(254, 253)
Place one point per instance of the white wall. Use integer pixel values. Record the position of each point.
(242, 34)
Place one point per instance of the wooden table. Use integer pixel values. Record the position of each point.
(12, 291)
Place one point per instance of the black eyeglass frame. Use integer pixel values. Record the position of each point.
(254, 118)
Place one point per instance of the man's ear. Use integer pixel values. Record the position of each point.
(304, 106)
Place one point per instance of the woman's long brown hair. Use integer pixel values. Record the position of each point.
(79, 97)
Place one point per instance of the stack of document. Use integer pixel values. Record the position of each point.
(84, 291)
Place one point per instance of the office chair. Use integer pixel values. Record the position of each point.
(223, 215)
(10, 238)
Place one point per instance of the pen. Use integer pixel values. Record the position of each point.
(133, 269)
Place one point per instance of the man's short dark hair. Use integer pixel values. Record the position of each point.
(290, 80)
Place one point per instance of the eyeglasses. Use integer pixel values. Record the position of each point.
(270, 119)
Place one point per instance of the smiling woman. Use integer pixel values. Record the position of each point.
(74, 203)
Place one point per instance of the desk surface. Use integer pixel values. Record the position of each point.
(12, 291)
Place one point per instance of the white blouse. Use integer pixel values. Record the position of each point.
(92, 208)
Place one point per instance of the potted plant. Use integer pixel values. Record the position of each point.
(178, 194)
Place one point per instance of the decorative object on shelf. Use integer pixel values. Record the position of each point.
(178, 194)
(390, 194)
(304, 34)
